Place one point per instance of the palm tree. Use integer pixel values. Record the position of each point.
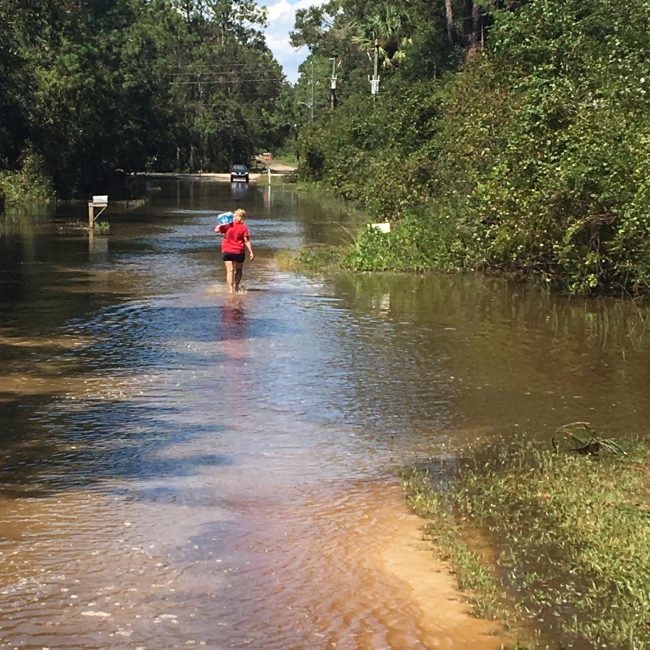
(390, 28)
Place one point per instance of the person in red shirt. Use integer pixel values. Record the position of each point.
(235, 242)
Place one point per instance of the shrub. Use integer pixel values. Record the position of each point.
(29, 183)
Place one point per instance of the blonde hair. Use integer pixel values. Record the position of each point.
(240, 215)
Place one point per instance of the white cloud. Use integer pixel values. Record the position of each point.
(281, 16)
(278, 9)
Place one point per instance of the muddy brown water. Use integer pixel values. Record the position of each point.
(184, 468)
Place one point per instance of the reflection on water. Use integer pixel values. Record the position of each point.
(181, 466)
(512, 357)
(233, 317)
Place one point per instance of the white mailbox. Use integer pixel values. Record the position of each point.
(100, 202)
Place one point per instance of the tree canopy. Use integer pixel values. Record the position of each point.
(506, 135)
(91, 86)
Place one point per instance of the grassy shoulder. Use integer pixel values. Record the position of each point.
(409, 246)
(413, 244)
(567, 532)
(317, 258)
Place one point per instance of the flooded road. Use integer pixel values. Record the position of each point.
(182, 468)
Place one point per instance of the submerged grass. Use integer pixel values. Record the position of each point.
(315, 258)
(102, 226)
(570, 534)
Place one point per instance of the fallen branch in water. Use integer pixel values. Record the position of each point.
(591, 444)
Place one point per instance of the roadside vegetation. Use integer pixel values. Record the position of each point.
(28, 183)
(552, 539)
(512, 136)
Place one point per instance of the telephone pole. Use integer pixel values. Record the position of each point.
(374, 82)
(333, 84)
(312, 90)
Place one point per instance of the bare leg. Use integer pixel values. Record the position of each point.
(239, 267)
(230, 276)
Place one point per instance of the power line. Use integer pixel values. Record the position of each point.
(221, 66)
(223, 81)
(201, 76)
(218, 64)
(318, 79)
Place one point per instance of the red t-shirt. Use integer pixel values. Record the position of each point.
(234, 240)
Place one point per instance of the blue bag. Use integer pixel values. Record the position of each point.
(225, 218)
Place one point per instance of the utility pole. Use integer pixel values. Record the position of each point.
(312, 90)
(333, 84)
(374, 82)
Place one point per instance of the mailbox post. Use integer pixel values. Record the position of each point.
(98, 202)
(266, 156)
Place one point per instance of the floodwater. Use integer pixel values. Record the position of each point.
(185, 468)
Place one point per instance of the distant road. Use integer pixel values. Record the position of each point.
(277, 169)
(281, 168)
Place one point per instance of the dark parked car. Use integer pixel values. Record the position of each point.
(239, 173)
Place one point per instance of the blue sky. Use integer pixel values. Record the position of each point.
(281, 18)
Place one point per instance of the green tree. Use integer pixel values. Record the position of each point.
(91, 87)
(529, 156)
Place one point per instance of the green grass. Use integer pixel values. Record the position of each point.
(102, 226)
(310, 259)
(285, 159)
(569, 536)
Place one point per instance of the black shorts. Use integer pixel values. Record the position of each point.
(234, 257)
